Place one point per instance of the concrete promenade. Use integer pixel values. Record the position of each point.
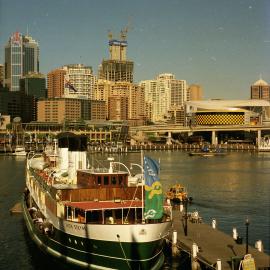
(213, 244)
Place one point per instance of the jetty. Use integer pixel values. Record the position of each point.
(214, 248)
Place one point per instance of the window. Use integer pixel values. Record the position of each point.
(120, 180)
(114, 181)
(106, 180)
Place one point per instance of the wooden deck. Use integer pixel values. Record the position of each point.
(214, 244)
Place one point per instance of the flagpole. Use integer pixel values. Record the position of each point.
(143, 181)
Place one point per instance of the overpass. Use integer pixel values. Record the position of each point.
(173, 129)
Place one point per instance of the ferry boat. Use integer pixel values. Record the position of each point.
(95, 218)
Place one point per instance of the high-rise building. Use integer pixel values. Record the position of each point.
(34, 84)
(1, 75)
(56, 83)
(59, 110)
(21, 57)
(117, 68)
(133, 100)
(118, 108)
(194, 92)
(71, 81)
(260, 90)
(164, 93)
(17, 104)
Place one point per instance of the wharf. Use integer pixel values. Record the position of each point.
(213, 245)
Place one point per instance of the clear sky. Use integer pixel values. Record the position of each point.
(223, 45)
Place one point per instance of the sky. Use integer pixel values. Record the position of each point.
(223, 45)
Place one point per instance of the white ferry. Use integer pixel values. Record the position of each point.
(95, 218)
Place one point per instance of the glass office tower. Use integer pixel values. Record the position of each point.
(21, 57)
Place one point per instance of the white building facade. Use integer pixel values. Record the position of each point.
(81, 78)
(164, 93)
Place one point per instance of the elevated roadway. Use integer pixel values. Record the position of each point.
(142, 131)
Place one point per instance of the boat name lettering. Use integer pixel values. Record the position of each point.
(75, 227)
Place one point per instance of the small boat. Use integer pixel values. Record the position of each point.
(95, 217)
(264, 144)
(207, 152)
(19, 151)
(177, 194)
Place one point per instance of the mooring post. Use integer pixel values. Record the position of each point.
(181, 207)
(235, 234)
(214, 223)
(259, 245)
(218, 267)
(194, 250)
(247, 224)
(175, 250)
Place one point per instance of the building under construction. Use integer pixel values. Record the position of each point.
(117, 68)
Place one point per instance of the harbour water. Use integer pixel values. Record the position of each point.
(229, 189)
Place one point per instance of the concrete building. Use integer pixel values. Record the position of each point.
(260, 90)
(117, 68)
(60, 110)
(112, 92)
(176, 115)
(56, 83)
(151, 97)
(118, 108)
(71, 81)
(82, 79)
(4, 121)
(165, 93)
(34, 84)
(194, 92)
(21, 57)
(227, 112)
(17, 104)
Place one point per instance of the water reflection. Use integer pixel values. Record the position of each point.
(229, 189)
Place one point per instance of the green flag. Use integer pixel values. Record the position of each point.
(153, 190)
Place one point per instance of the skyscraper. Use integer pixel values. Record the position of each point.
(71, 81)
(34, 84)
(117, 68)
(21, 57)
(164, 93)
(195, 92)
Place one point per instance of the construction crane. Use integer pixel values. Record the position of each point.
(123, 33)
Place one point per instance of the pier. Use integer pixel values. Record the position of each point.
(216, 250)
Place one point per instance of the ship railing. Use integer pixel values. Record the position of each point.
(100, 216)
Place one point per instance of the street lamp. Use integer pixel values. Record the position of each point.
(247, 224)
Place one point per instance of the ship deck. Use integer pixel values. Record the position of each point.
(98, 205)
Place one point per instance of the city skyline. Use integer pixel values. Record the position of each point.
(222, 46)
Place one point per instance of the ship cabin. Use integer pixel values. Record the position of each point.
(105, 212)
(102, 178)
(104, 198)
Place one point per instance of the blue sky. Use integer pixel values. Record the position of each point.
(222, 45)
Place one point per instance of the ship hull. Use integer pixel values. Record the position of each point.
(96, 254)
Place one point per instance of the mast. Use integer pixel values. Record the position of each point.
(143, 181)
